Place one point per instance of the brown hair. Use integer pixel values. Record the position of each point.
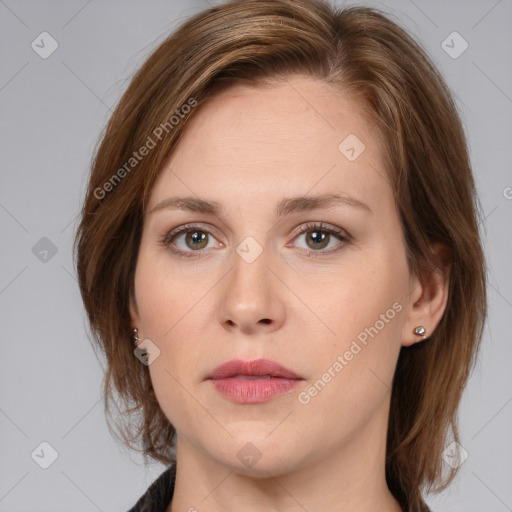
(363, 53)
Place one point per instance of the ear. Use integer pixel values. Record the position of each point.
(428, 295)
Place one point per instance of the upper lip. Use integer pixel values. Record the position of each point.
(256, 367)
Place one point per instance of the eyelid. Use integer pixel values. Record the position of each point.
(168, 236)
(340, 234)
(321, 226)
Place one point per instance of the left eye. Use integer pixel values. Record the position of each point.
(318, 237)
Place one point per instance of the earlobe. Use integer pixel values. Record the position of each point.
(420, 331)
(135, 337)
(428, 298)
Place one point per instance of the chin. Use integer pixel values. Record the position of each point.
(258, 456)
(263, 468)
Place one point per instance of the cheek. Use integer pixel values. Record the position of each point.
(364, 312)
(169, 307)
(162, 297)
(354, 372)
(174, 372)
(361, 301)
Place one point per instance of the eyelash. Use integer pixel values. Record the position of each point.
(338, 233)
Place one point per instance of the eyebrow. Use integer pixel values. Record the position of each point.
(285, 207)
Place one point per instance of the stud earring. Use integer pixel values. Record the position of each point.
(420, 330)
(135, 337)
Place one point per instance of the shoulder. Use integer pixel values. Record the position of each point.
(158, 496)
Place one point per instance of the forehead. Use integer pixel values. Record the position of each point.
(292, 135)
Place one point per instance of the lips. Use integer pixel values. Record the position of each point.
(262, 368)
(253, 382)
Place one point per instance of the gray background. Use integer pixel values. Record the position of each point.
(52, 112)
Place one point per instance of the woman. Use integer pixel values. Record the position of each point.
(279, 256)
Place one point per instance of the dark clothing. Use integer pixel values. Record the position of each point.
(159, 494)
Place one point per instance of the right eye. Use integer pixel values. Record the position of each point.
(188, 239)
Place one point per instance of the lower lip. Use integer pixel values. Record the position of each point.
(253, 391)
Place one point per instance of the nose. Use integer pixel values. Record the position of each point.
(252, 298)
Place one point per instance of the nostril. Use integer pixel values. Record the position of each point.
(265, 320)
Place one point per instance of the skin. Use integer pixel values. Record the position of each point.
(247, 148)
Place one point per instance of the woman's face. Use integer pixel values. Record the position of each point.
(261, 278)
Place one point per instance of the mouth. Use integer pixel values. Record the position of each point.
(253, 382)
(254, 377)
(255, 369)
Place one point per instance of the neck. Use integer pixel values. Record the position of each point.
(350, 477)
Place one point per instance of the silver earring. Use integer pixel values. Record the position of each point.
(420, 330)
(135, 336)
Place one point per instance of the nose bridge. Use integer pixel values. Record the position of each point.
(251, 298)
(249, 278)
